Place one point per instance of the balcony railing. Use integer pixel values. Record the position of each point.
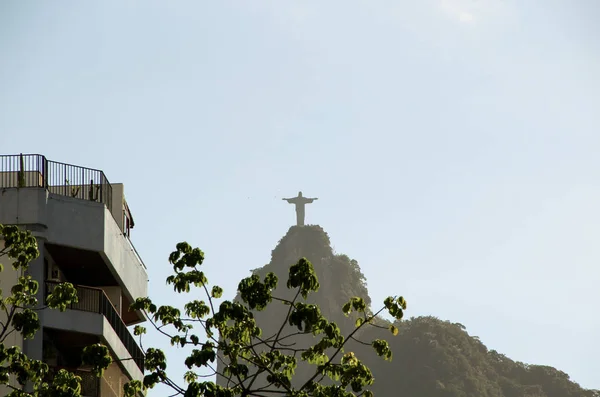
(90, 384)
(95, 300)
(34, 170)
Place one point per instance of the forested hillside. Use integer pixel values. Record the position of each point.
(432, 358)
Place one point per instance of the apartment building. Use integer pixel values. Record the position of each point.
(82, 224)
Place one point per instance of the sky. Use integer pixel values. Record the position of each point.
(453, 144)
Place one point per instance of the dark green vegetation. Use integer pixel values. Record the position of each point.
(431, 357)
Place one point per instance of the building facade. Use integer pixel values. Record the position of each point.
(82, 225)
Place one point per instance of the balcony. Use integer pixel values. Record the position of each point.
(34, 170)
(95, 300)
(84, 220)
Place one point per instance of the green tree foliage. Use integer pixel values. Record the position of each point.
(254, 363)
(19, 309)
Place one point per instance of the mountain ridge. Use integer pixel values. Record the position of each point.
(432, 357)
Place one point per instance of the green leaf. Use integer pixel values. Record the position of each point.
(139, 330)
(217, 292)
(346, 308)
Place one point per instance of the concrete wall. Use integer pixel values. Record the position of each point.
(8, 278)
(96, 324)
(113, 381)
(129, 269)
(118, 194)
(81, 224)
(85, 225)
(75, 223)
(11, 178)
(31, 347)
(23, 206)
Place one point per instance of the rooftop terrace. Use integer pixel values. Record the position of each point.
(35, 170)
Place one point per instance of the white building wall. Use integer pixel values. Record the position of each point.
(81, 224)
(8, 278)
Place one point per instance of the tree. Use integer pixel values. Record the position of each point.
(229, 333)
(19, 316)
(256, 364)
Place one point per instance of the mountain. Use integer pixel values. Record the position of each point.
(432, 358)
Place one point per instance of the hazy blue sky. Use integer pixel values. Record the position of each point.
(453, 144)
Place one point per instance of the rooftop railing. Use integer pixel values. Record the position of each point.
(95, 300)
(35, 170)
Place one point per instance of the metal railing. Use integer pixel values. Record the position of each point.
(35, 170)
(95, 300)
(90, 384)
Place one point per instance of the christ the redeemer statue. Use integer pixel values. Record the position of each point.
(300, 203)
